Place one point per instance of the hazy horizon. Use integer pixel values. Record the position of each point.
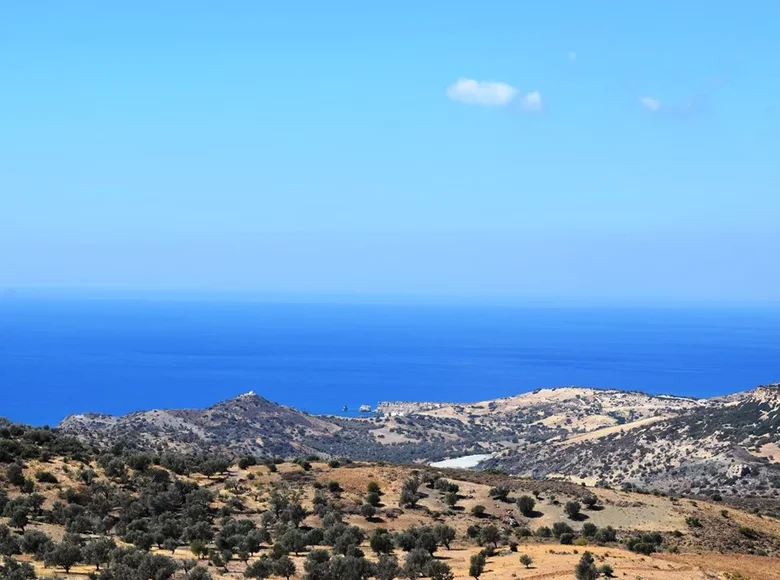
(347, 299)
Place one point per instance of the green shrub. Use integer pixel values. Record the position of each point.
(46, 477)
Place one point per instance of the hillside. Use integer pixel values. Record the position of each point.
(727, 449)
(726, 446)
(542, 415)
(400, 431)
(67, 510)
(245, 424)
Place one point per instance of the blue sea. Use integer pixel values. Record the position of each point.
(115, 356)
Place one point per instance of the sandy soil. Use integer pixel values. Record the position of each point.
(739, 566)
(770, 451)
(551, 562)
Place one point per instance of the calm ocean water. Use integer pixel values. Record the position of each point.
(67, 356)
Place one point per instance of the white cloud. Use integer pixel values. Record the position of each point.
(651, 104)
(531, 102)
(488, 93)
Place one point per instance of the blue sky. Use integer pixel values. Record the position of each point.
(593, 150)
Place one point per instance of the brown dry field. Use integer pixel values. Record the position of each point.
(770, 451)
(555, 561)
(550, 560)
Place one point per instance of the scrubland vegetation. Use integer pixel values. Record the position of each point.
(76, 510)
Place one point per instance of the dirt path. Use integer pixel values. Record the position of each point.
(598, 433)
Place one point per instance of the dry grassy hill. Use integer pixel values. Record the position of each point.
(163, 504)
(728, 446)
(246, 424)
(723, 448)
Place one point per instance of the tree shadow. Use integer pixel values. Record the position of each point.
(533, 514)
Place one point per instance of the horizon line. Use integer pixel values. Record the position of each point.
(11, 294)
